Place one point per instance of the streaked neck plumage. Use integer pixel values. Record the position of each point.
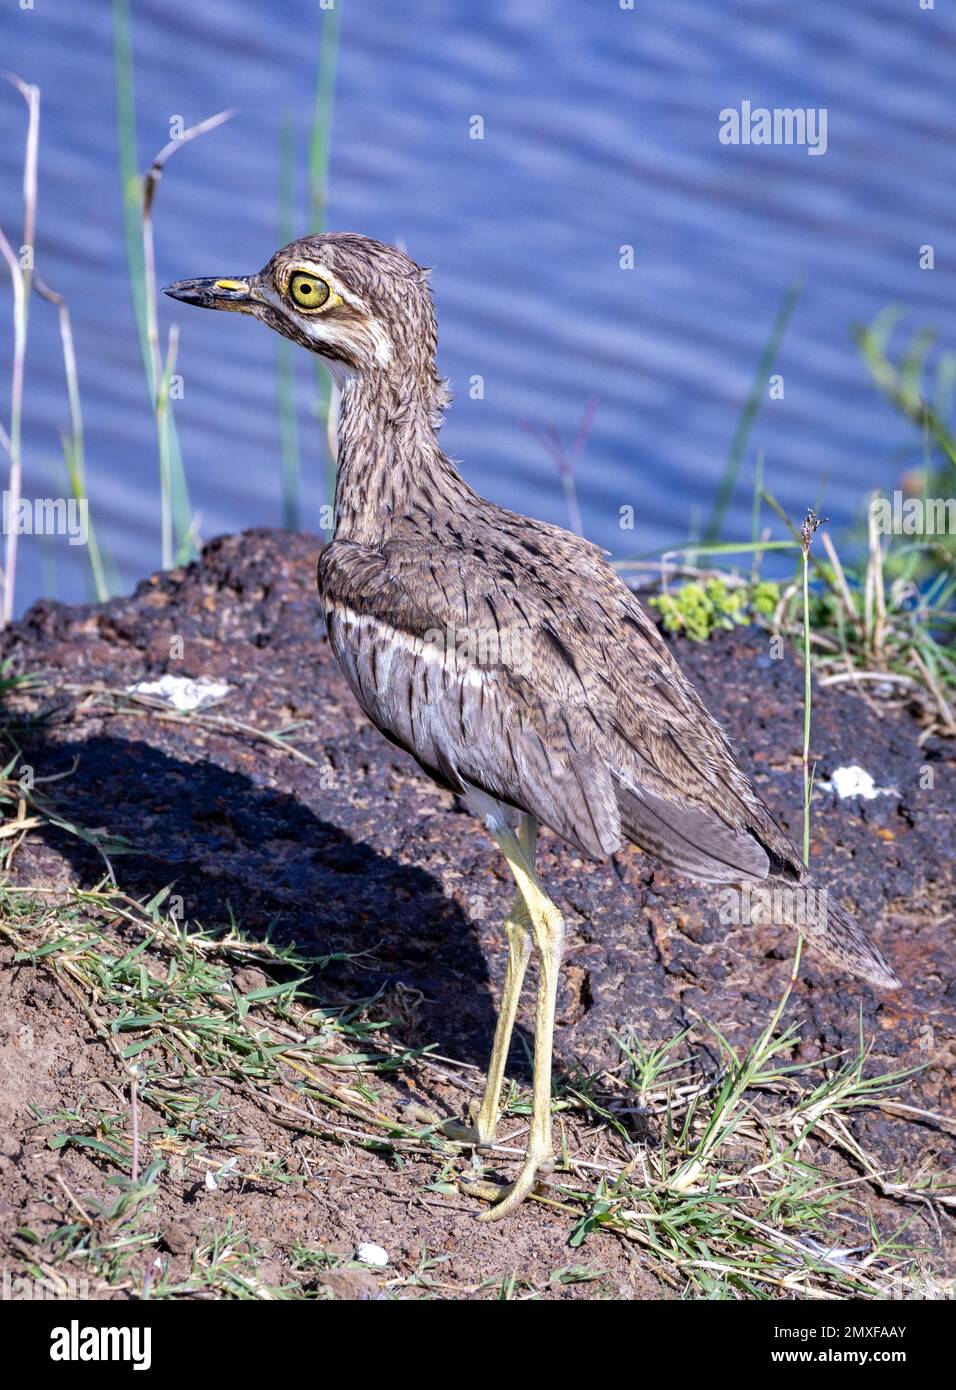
(391, 467)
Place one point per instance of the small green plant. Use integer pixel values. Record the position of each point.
(699, 608)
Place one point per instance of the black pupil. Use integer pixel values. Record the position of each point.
(305, 287)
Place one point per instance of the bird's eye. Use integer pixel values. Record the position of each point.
(308, 291)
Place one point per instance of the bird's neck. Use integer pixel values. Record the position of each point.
(390, 467)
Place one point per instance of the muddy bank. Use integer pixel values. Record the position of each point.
(350, 850)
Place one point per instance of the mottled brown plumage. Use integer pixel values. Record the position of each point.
(503, 653)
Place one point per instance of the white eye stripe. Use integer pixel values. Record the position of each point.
(322, 328)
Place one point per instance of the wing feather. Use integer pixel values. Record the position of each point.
(598, 734)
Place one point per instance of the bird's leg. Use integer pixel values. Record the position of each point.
(518, 930)
(547, 934)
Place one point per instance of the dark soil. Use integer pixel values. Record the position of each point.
(368, 857)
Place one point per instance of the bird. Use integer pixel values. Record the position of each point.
(506, 655)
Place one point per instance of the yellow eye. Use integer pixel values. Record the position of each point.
(308, 291)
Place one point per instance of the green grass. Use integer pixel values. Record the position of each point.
(901, 379)
(177, 539)
(748, 414)
(26, 797)
(882, 613)
(883, 620)
(736, 1203)
(285, 351)
(21, 276)
(730, 1201)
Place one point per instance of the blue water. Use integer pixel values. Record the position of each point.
(600, 130)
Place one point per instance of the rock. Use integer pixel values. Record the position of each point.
(368, 1253)
(182, 1237)
(250, 978)
(350, 1284)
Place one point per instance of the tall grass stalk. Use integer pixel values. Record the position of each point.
(285, 351)
(162, 429)
(319, 151)
(12, 437)
(727, 1109)
(809, 526)
(130, 181)
(320, 141)
(755, 515)
(175, 499)
(565, 460)
(73, 448)
(21, 272)
(749, 413)
(900, 382)
(177, 525)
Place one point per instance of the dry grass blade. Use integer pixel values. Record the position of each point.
(150, 184)
(875, 589)
(945, 710)
(842, 585)
(173, 502)
(129, 703)
(73, 448)
(21, 271)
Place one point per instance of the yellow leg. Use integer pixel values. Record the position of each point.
(518, 931)
(547, 934)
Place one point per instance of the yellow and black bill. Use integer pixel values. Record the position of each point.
(210, 293)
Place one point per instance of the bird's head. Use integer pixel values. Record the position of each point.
(361, 305)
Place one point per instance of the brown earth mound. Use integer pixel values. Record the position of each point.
(352, 853)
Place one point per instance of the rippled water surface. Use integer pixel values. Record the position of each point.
(600, 130)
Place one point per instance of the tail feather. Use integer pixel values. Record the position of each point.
(697, 842)
(829, 929)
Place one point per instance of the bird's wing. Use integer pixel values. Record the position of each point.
(682, 792)
(451, 665)
(530, 670)
(573, 710)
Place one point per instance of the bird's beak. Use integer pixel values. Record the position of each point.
(214, 294)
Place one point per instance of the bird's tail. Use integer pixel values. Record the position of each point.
(829, 929)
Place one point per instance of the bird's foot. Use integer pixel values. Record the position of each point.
(536, 1169)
